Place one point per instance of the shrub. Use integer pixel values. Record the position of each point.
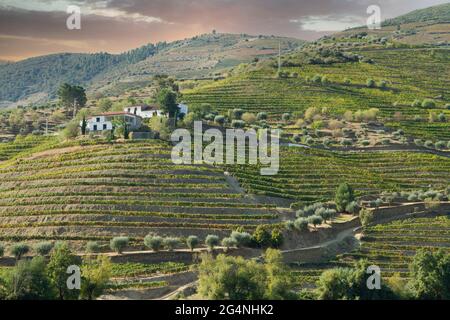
(118, 244)
(249, 118)
(370, 83)
(286, 117)
(19, 249)
(92, 247)
(385, 141)
(365, 143)
(2, 250)
(366, 216)
(317, 78)
(242, 238)
(296, 138)
(346, 142)
(413, 197)
(220, 120)
(440, 145)
(192, 242)
(344, 196)
(418, 142)
(171, 243)
(238, 124)
(235, 114)
(153, 242)
(315, 220)
(276, 238)
(428, 103)
(429, 144)
(301, 224)
(448, 145)
(43, 248)
(211, 241)
(352, 207)
(261, 116)
(442, 117)
(289, 225)
(229, 243)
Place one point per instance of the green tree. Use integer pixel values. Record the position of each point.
(350, 284)
(60, 259)
(28, 280)
(430, 275)
(279, 279)
(344, 196)
(19, 249)
(231, 278)
(192, 242)
(118, 244)
(43, 248)
(153, 242)
(95, 277)
(83, 126)
(211, 241)
(167, 100)
(69, 96)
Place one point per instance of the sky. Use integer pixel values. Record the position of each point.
(37, 27)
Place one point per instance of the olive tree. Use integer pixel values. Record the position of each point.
(19, 249)
(118, 244)
(153, 242)
(211, 241)
(192, 242)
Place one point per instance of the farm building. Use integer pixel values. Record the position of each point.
(146, 111)
(105, 121)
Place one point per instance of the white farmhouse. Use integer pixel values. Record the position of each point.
(145, 111)
(104, 121)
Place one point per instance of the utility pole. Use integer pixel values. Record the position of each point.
(74, 108)
(279, 56)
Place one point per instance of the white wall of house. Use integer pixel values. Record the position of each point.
(183, 108)
(103, 123)
(145, 114)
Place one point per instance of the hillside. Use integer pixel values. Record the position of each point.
(92, 190)
(257, 88)
(435, 14)
(429, 26)
(201, 56)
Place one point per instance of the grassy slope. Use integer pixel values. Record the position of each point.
(390, 246)
(99, 190)
(313, 175)
(412, 74)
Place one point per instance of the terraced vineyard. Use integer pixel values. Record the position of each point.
(390, 246)
(259, 90)
(311, 175)
(100, 190)
(20, 145)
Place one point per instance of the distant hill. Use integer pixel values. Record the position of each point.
(37, 79)
(429, 26)
(435, 14)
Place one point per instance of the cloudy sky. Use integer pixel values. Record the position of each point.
(36, 27)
